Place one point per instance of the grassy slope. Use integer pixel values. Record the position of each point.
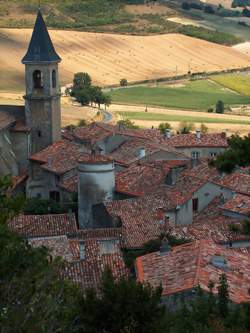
(198, 95)
(176, 117)
(239, 83)
(103, 15)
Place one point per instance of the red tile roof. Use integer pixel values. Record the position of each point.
(239, 204)
(139, 179)
(189, 265)
(190, 140)
(6, 120)
(140, 218)
(102, 249)
(236, 181)
(43, 225)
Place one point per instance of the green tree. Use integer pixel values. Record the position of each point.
(107, 100)
(238, 154)
(204, 129)
(185, 127)
(36, 206)
(127, 123)
(223, 296)
(81, 81)
(123, 82)
(219, 108)
(82, 123)
(9, 206)
(163, 127)
(82, 96)
(123, 306)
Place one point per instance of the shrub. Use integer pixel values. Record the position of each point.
(186, 127)
(219, 107)
(123, 82)
(185, 6)
(210, 110)
(163, 126)
(38, 206)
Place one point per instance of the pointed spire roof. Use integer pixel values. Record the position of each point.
(41, 48)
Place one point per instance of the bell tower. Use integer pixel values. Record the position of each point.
(42, 98)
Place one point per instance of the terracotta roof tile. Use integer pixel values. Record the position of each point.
(236, 181)
(239, 204)
(43, 225)
(189, 265)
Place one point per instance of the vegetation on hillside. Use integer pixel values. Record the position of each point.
(238, 154)
(198, 95)
(100, 16)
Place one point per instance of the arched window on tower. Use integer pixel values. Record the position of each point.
(38, 79)
(53, 78)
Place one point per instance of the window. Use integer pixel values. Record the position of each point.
(53, 78)
(195, 204)
(38, 79)
(213, 154)
(195, 155)
(39, 134)
(54, 195)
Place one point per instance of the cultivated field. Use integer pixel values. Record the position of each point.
(155, 115)
(235, 82)
(108, 58)
(243, 47)
(196, 95)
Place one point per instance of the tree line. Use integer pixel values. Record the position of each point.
(86, 93)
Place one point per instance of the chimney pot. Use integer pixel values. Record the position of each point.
(198, 134)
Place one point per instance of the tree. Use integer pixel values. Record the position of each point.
(219, 107)
(81, 80)
(107, 100)
(33, 296)
(204, 129)
(82, 123)
(237, 154)
(209, 9)
(42, 207)
(223, 296)
(82, 96)
(9, 206)
(185, 6)
(246, 226)
(123, 82)
(185, 127)
(123, 306)
(127, 124)
(163, 127)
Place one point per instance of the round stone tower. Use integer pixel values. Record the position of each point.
(96, 185)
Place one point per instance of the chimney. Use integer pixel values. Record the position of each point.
(142, 152)
(167, 133)
(198, 134)
(165, 247)
(50, 161)
(82, 250)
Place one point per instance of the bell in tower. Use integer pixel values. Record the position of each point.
(42, 98)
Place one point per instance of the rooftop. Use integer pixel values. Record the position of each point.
(236, 181)
(189, 265)
(31, 226)
(238, 204)
(191, 140)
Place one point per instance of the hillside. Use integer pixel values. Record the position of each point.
(116, 16)
(108, 58)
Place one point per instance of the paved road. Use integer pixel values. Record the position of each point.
(107, 117)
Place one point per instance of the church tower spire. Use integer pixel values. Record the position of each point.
(42, 98)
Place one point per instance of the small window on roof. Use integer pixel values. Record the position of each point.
(219, 261)
(108, 246)
(82, 250)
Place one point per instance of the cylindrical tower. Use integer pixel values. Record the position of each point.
(96, 185)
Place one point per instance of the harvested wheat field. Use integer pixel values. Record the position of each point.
(243, 47)
(108, 57)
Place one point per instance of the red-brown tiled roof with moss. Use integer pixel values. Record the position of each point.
(94, 159)
(142, 178)
(208, 140)
(236, 181)
(102, 248)
(238, 204)
(187, 266)
(43, 225)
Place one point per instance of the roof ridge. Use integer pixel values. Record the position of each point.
(199, 256)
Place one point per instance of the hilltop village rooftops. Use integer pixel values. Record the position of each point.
(236, 181)
(87, 254)
(186, 266)
(238, 204)
(43, 225)
(142, 178)
(190, 140)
